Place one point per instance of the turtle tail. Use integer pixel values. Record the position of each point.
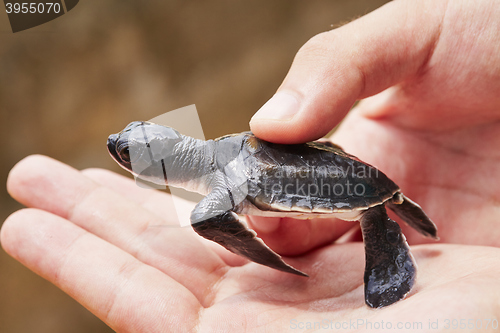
(413, 215)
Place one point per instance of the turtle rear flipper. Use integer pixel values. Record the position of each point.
(413, 215)
(390, 269)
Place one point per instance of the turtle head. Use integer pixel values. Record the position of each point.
(145, 149)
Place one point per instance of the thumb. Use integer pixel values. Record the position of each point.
(336, 68)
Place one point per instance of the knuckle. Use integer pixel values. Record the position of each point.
(318, 47)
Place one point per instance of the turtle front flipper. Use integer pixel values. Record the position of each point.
(390, 269)
(225, 228)
(413, 215)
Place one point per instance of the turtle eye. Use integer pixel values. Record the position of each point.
(125, 154)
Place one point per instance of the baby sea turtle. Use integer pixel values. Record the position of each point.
(241, 174)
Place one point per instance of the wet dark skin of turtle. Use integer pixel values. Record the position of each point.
(241, 174)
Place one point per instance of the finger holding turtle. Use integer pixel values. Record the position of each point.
(433, 122)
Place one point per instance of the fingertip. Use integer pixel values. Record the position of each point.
(283, 106)
(6, 232)
(45, 183)
(25, 170)
(303, 127)
(17, 230)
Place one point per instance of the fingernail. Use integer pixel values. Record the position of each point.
(282, 106)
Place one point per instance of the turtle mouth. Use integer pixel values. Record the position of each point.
(111, 144)
(112, 149)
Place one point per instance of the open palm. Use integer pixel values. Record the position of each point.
(98, 239)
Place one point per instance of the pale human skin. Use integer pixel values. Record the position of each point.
(434, 129)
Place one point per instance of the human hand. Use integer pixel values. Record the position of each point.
(432, 125)
(95, 235)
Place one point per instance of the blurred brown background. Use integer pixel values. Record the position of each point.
(66, 85)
